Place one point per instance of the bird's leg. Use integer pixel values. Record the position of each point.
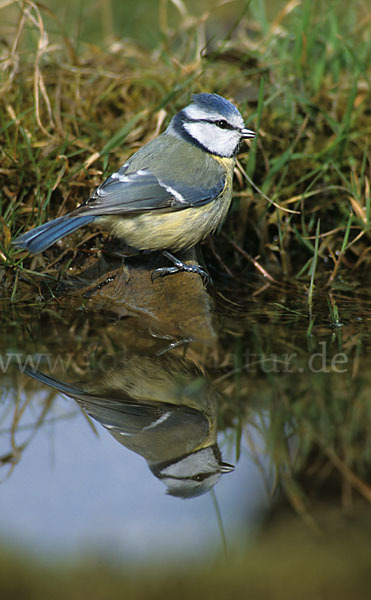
(179, 266)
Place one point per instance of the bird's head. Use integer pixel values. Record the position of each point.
(213, 123)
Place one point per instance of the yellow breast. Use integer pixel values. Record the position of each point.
(181, 229)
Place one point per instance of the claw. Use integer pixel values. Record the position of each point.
(178, 267)
(163, 271)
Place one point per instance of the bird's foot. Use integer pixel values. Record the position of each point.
(179, 266)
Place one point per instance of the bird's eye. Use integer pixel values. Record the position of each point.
(222, 124)
(200, 477)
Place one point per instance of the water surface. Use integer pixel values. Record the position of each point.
(227, 377)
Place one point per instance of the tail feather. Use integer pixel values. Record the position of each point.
(64, 388)
(39, 239)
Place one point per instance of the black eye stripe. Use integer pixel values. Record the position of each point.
(216, 122)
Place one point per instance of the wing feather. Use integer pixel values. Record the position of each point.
(141, 191)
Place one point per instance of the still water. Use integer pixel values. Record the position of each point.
(126, 406)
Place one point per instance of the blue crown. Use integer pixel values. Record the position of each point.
(215, 103)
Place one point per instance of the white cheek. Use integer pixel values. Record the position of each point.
(215, 140)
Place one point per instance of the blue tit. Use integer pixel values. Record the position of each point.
(170, 194)
(160, 415)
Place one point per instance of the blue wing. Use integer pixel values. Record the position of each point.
(141, 190)
(120, 414)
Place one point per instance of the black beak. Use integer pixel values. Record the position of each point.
(247, 134)
(226, 467)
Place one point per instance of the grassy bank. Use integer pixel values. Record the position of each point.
(73, 111)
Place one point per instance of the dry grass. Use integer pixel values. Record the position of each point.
(71, 113)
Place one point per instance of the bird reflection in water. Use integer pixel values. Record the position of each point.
(162, 408)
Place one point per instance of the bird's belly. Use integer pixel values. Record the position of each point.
(171, 231)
